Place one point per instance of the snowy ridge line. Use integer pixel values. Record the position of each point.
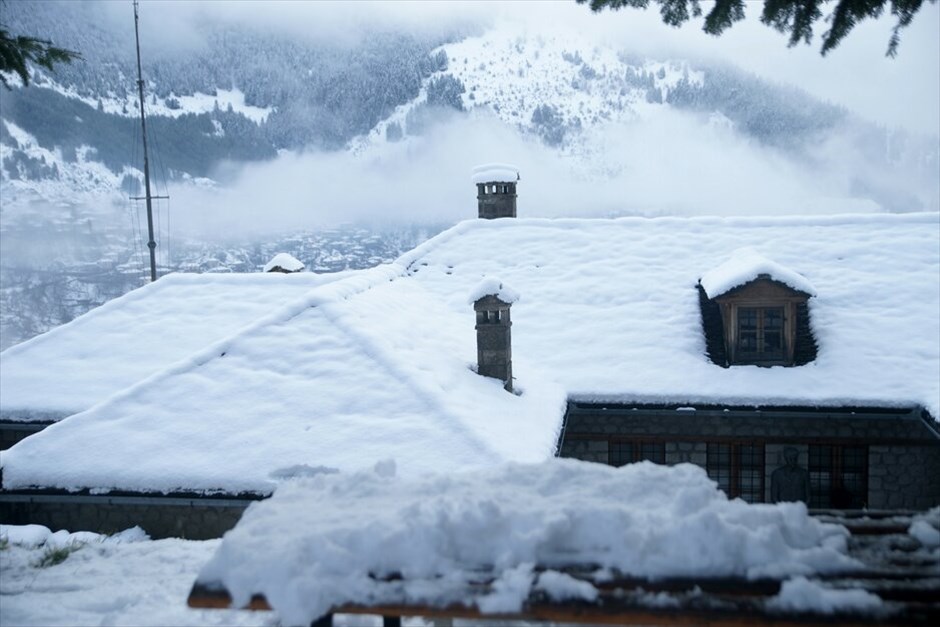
(197, 103)
(419, 251)
(882, 219)
(182, 278)
(408, 259)
(351, 285)
(386, 359)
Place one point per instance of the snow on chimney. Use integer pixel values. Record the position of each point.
(491, 301)
(496, 190)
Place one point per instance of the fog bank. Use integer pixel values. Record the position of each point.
(673, 163)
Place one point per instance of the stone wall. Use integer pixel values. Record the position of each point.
(903, 453)
(195, 519)
(588, 450)
(903, 477)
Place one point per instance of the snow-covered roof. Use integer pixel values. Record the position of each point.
(380, 364)
(81, 363)
(362, 369)
(746, 265)
(610, 307)
(284, 261)
(495, 173)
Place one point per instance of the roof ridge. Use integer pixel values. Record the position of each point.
(394, 366)
(167, 280)
(281, 314)
(91, 314)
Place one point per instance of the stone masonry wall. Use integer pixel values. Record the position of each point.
(193, 522)
(903, 477)
(588, 450)
(903, 473)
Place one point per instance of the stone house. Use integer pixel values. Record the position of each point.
(722, 342)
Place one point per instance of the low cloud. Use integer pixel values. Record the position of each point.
(673, 163)
(902, 91)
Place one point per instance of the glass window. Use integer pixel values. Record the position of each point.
(838, 476)
(760, 334)
(622, 452)
(738, 469)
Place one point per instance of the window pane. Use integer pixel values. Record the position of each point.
(619, 453)
(853, 492)
(747, 319)
(718, 465)
(773, 318)
(820, 475)
(773, 341)
(653, 451)
(747, 341)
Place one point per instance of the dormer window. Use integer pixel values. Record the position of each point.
(755, 312)
(760, 334)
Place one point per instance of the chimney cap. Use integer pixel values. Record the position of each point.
(495, 173)
(492, 286)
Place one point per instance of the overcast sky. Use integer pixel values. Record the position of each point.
(902, 91)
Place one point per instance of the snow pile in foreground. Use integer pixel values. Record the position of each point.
(106, 582)
(926, 528)
(802, 595)
(327, 540)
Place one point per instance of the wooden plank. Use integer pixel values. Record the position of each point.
(729, 608)
(217, 598)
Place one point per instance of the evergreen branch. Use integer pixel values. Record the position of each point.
(795, 18)
(16, 52)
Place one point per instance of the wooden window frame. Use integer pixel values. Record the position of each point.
(836, 469)
(762, 294)
(735, 468)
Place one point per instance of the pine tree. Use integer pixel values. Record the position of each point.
(795, 17)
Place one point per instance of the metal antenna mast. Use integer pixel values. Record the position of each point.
(151, 244)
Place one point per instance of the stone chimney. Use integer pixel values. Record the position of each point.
(283, 262)
(496, 190)
(491, 302)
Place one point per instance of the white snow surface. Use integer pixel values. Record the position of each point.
(926, 529)
(34, 536)
(286, 261)
(800, 594)
(495, 173)
(745, 265)
(116, 580)
(318, 542)
(492, 286)
(154, 105)
(355, 371)
(603, 296)
(380, 364)
(110, 348)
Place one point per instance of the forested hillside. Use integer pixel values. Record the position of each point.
(317, 95)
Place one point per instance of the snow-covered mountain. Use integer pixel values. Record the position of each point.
(558, 87)
(70, 152)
